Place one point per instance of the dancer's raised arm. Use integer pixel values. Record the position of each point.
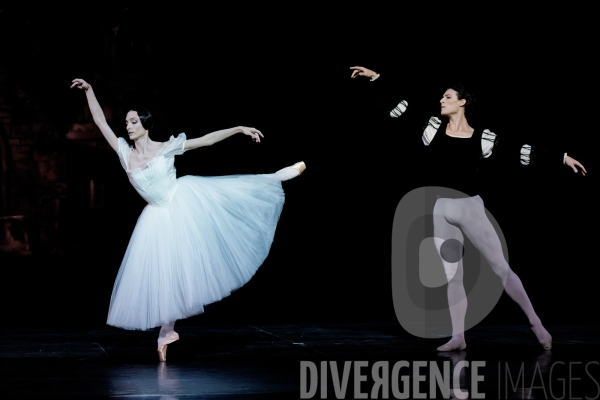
(97, 113)
(217, 136)
(393, 92)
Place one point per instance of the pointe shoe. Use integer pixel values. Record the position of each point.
(290, 172)
(162, 349)
(300, 166)
(546, 342)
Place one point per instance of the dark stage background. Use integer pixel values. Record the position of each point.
(285, 71)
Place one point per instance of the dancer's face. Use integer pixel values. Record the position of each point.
(134, 125)
(450, 104)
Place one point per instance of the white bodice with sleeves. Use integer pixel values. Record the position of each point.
(156, 182)
(198, 239)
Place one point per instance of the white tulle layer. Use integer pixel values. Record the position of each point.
(210, 241)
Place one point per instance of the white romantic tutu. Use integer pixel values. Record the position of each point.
(208, 241)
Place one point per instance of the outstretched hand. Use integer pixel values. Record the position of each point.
(253, 133)
(362, 71)
(80, 84)
(573, 163)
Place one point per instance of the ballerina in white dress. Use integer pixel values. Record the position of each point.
(198, 239)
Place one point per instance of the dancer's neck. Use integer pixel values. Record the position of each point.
(459, 126)
(143, 145)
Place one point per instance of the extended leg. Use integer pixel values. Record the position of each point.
(473, 221)
(288, 173)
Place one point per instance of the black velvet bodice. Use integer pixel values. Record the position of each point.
(455, 162)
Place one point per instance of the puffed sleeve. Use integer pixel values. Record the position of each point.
(488, 140)
(540, 155)
(430, 130)
(123, 152)
(393, 93)
(387, 97)
(512, 150)
(175, 146)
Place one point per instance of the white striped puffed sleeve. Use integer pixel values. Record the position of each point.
(175, 146)
(399, 109)
(488, 140)
(431, 129)
(530, 153)
(525, 154)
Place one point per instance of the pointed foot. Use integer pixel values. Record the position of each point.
(453, 345)
(543, 337)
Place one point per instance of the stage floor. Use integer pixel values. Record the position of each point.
(264, 361)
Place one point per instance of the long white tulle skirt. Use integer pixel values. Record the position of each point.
(210, 241)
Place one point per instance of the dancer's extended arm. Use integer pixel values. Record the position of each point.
(394, 92)
(392, 104)
(97, 113)
(534, 153)
(510, 149)
(406, 102)
(217, 136)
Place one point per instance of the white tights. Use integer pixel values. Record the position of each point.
(451, 218)
(287, 173)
